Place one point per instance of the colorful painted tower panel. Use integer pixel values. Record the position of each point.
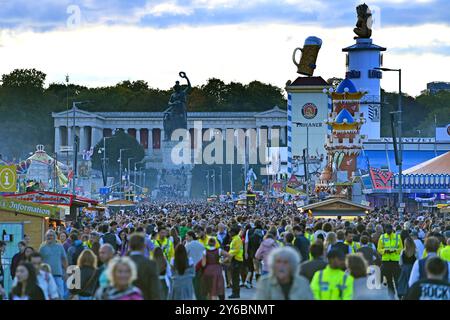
(362, 60)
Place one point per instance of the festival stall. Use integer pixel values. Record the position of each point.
(336, 207)
(20, 218)
(69, 205)
(424, 185)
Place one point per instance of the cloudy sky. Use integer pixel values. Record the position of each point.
(101, 42)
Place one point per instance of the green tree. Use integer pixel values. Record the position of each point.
(24, 78)
(120, 140)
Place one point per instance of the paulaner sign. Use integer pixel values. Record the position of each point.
(312, 124)
(26, 208)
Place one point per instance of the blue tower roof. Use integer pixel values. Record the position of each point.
(344, 115)
(364, 45)
(346, 83)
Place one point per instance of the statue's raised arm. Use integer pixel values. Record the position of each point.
(184, 76)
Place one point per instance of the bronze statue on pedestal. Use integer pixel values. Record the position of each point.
(175, 117)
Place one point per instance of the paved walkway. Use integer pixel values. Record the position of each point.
(246, 294)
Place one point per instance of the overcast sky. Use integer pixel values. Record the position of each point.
(102, 42)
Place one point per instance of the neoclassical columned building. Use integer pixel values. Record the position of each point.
(147, 127)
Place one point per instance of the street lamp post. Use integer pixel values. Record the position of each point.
(120, 171)
(214, 181)
(140, 176)
(207, 182)
(400, 143)
(129, 176)
(129, 172)
(231, 179)
(221, 172)
(104, 171)
(76, 142)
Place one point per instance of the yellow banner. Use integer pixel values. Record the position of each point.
(292, 191)
(8, 179)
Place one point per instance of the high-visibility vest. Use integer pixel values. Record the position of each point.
(237, 248)
(391, 243)
(332, 284)
(425, 253)
(167, 247)
(205, 241)
(310, 237)
(444, 253)
(354, 246)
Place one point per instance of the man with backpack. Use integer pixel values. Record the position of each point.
(418, 271)
(301, 243)
(435, 286)
(75, 249)
(253, 239)
(111, 236)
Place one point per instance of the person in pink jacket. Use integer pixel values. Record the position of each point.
(262, 254)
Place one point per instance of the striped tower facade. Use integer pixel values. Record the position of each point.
(289, 133)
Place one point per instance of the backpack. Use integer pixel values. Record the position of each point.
(255, 238)
(422, 273)
(78, 250)
(110, 238)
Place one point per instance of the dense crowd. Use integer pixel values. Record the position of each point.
(172, 184)
(193, 250)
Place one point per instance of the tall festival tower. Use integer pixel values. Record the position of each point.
(345, 142)
(362, 60)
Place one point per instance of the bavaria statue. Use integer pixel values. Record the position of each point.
(175, 116)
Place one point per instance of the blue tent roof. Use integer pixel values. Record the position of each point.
(344, 115)
(386, 159)
(346, 83)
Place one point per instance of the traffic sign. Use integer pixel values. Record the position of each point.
(104, 190)
(8, 179)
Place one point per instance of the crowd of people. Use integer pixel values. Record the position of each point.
(172, 184)
(193, 250)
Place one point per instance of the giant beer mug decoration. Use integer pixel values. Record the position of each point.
(308, 58)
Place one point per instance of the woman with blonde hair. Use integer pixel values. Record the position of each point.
(330, 240)
(121, 273)
(87, 265)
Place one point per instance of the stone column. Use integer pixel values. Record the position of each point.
(82, 139)
(97, 135)
(161, 138)
(138, 135)
(150, 138)
(70, 136)
(57, 139)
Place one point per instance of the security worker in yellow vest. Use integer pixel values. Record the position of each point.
(354, 246)
(390, 246)
(445, 252)
(332, 283)
(236, 257)
(309, 234)
(165, 244)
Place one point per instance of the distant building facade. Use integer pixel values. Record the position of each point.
(147, 127)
